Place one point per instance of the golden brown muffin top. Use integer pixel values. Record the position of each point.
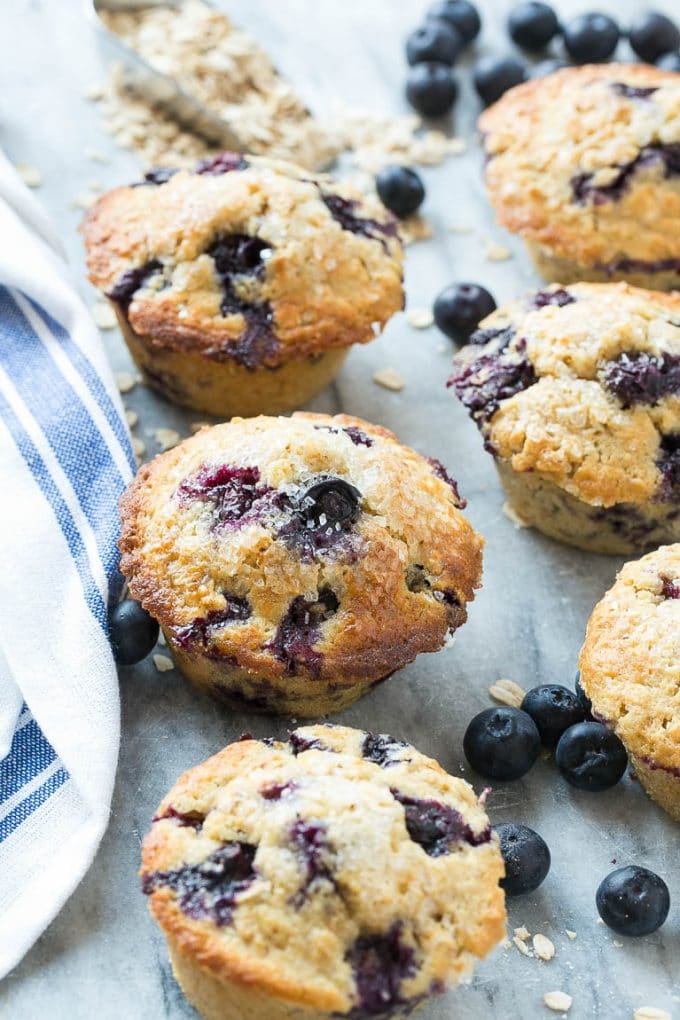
(246, 258)
(586, 163)
(313, 545)
(630, 662)
(338, 870)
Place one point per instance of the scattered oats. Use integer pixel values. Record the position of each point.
(95, 155)
(497, 252)
(512, 515)
(570, 934)
(166, 438)
(420, 318)
(138, 446)
(456, 146)
(523, 948)
(441, 348)
(163, 663)
(560, 1002)
(131, 417)
(93, 92)
(125, 381)
(619, 945)
(29, 174)
(651, 1013)
(104, 315)
(522, 933)
(84, 199)
(415, 228)
(196, 426)
(161, 638)
(507, 944)
(461, 228)
(389, 378)
(543, 947)
(507, 692)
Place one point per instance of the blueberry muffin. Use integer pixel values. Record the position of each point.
(585, 165)
(630, 669)
(294, 562)
(240, 286)
(336, 874)
(576, 391)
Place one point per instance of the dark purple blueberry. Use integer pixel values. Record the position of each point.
(669, 466)
(431, 89)
(380, 963)
(222, 163)
(502, 743)
(233, 491)
(132, 280)
(641, 378)
(311, 845)
(442, 473)
(669, 62)
(589, 38)
(633, 901)
(591, 757)
(132, 632)
(526, 856)
(670, 589)
(461, 14)
(665, 157)
(343, 212)
(502, 335)
(275, 791)
(652, 35)
(185, 819)
(633, 91)
(382, 749)
(554, 709)
(400, 189)
(483, 384)
(532, 24)
(358, 437)
(493, 76)
(160, 174)
(435, 40)
(300, 744)
(583, 699)
(300, 629)
(322, 514)
(459, 309)
(237, 255)
(209, 890)
(559, 297)
(201, 629)
(436, 827)
(545, 67)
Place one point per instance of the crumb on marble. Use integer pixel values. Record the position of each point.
(420, 318)
(29, 174)
(544, 948)
(389, 378)
(559, 1002)
(125, 381)
(104, 315)
(163, 663)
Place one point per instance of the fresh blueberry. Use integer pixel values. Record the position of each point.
(584, 700)
(493, 76)
(400, 189)
(669, 62)
(545, 67)
(633, 901)
(591, 37)
(463, 15)
(460, 308)
(591, 757)
(532, 24)
(431, 89)
(132, 631)
(502, 743)
(652, 35)
(526, 856)
(554, 709)
(435, 40)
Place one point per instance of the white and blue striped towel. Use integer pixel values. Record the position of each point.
(65, 457)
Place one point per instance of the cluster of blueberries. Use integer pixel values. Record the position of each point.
(503, 743)
(451, 25)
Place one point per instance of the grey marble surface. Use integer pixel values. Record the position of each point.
(102, 957)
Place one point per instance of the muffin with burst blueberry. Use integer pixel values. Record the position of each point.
(630, 669)
(585, 165)
(335, 874)
(293, 563)
(576, 391)
(240, 286)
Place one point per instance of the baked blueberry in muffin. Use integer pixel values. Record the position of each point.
(303, 880)
(239, 286)
(630, 668)
(585, 165)
(576, 391)
(294, 562)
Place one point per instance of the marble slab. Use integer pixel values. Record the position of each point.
(102, 957)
